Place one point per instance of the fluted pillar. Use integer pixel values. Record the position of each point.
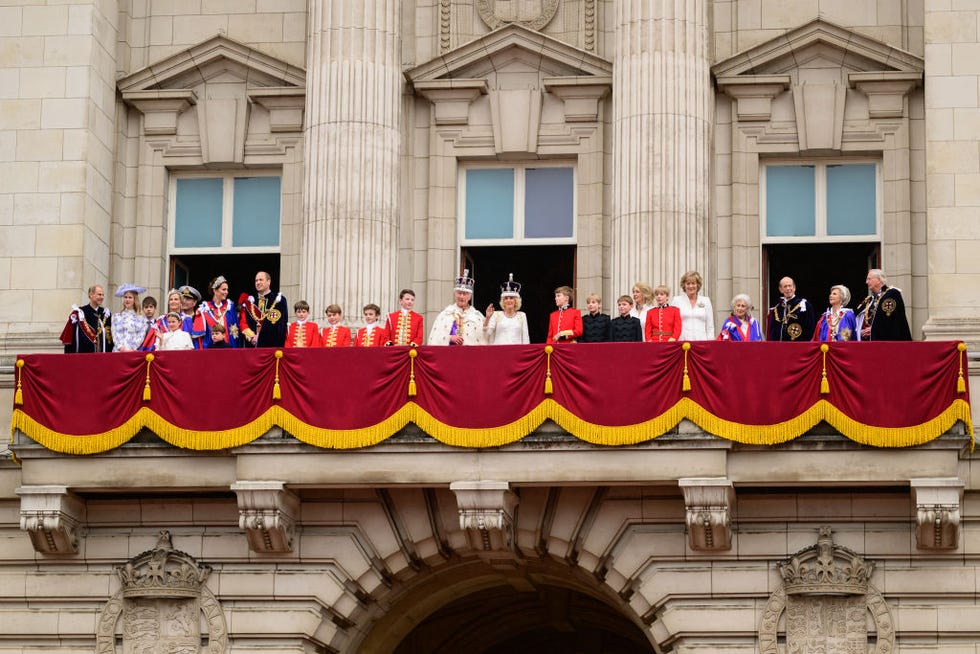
(952, 172)
(350, 199)
(662, 111)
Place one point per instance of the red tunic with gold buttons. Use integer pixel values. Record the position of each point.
(404, 328)
(336, 336)
(377, 337)
(303, 334)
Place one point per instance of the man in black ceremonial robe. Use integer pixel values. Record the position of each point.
(881, 316)
(792, 318)
(88, 328)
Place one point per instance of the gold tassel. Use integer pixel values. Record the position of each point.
(686, 384)
(276, 391)
(824, 384)
(146, 386)
(412, 389)
(960, 382)
(549, 388)
(19, 394)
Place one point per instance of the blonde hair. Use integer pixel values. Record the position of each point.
(689, 275)
(646, 292)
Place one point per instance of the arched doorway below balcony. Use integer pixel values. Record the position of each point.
(542, 607)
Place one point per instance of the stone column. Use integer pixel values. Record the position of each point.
(952, 170)
(662, 110)
(350, 201)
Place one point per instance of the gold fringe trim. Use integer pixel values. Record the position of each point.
(484, 436)
(19, 394)
(909, 436)
(824, 384)
(345, 439)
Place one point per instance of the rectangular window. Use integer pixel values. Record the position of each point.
(212, 214)
(823, 201)
(198, 223)
(851, 200)
(531, 203)
(490, 203)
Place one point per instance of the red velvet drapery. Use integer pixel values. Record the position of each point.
(884, 394)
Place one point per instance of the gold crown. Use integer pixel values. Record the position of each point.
(826, 569)
(163, 572)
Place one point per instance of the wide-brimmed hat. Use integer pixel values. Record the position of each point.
(129, 288)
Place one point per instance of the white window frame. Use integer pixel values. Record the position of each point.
(520, 188)
(227, 213)
(820, 208)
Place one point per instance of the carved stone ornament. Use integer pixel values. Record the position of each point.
(532, 14)
(709, 503)
(826, 597)
(937, 512)
(267, 511)
(160, 602)
(50, 515)
(486, 514)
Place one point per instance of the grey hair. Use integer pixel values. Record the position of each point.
(744, 297)
(845, 294)
(880, 274)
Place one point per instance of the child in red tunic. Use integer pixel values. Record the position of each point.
(335, 334)
(301, 332)
(565, 324)
(372, 334)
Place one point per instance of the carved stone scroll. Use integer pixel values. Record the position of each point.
(267, 511)
(709, 503)
(50, 515)
(486, 514)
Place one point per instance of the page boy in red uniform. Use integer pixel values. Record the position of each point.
(405, 326)
(565, 324)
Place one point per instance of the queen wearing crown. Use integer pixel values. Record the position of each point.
(459, 323)
(507, 326)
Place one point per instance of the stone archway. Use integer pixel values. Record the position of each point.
(535, 606)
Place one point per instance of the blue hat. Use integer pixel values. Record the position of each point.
(129, 288)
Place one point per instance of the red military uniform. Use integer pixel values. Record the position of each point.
(377, 337)
(663, 324)
(404, 328)
(336, 336)
(303, 334)
(567, 323)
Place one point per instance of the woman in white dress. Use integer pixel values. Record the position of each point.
(509, 325)
(697, 315)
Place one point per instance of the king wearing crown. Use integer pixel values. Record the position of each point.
(459, 323)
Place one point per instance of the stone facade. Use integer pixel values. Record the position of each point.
(369, 110)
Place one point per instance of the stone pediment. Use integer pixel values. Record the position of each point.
(215, 60)
(205, 95)
(818, 44)
(511, 48)
(515, 66)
